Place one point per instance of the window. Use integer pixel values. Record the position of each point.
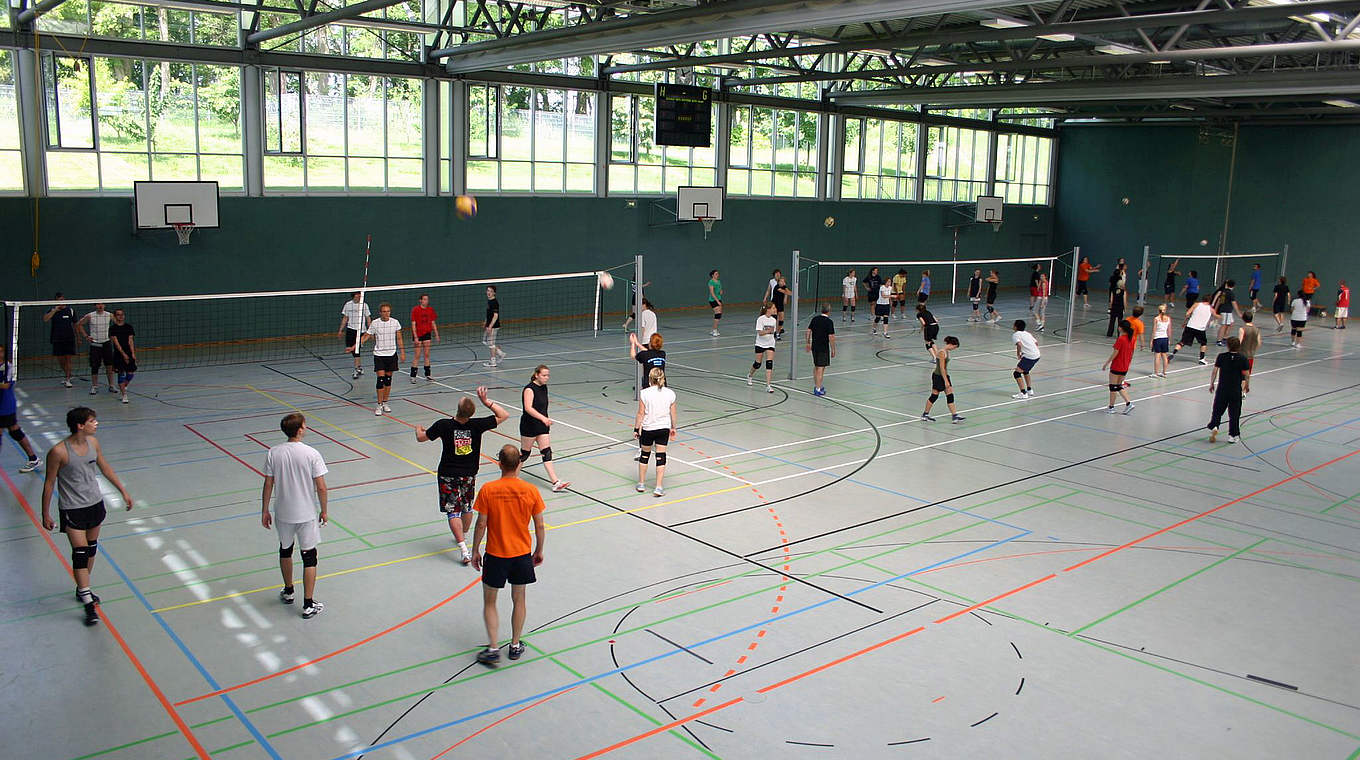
(956, 164)
(113, 121)
(356, 133)
(880, 160)
(638, 166)
(530, 140)
(142, 22)
(1022, 168)
(11, 161)
(773, 153)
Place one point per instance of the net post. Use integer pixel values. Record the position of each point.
(13, 352)
(1284, 259)
(1072, 291)
(954, 283)
(598, 318)
(637, 315)
(1142, 278)
(793, 314)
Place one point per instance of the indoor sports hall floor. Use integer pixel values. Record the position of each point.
(824, 578)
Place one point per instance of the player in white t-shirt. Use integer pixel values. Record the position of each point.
(1197, 320)
(1161, 337)
(654, 427)
(1027, 355)
(883, 309)
(354, 319)
(387, 342)
(767, 324)
(1298, 319)
(297, 473)
(94, 328)
(849, 289)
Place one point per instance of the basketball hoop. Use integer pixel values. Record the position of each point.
(708, 224)
(996, 225)
(183, 231)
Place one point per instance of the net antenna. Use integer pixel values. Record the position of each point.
(363, 292)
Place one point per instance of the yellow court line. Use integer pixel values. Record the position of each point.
(356, 436)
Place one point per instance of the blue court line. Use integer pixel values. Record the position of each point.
(1302, 437)
(671, 653)
(241, 716)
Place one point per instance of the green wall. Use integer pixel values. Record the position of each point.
(88, 248)
(1291, 186)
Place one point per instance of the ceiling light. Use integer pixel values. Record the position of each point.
(1342, 103)
(1002, 23)
(1162, 62)
(933, 62)
(1116, 49)
(1059, 37)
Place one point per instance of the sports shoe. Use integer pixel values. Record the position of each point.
(489, 657)
(31, 465)
(491, 363)
(1232, 439)
(1128, 407)
(285, 596)
(124, 399)
(67, 383)
(356, 374)
(560, 486)
(387, 407)
(1218, 343)
(1202, 361)
(927, 418)
(1021, 394)
(1213, 435)
(1029, 393)
(91, 614)
(750, 381)
(886, 335)
(641, 487)
(769, 389)
(874, 331)
(93, 596)
(658, 491)
(413, 379)
(94, 390)
(465, 559)
(1279, 328)
(714, 333)
(377, 411)
(1109, 410)
(515, 651)
(312, 610)
(113, 389)
(819, 391)
(957, 418)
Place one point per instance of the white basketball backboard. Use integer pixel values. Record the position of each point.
(161, 205)
(693, 203)
(989, 208)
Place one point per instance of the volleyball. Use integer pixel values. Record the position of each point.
(1204, 242)
(830, 221)
(606, 280)
(465, 206)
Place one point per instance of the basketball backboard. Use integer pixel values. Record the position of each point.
(693, 203)
(162, 205)
(989, 208)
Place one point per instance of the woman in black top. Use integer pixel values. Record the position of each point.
(930, 328)
(1169, 286)
(1118, 300)
(1281, 305)
(872, 281)
(534, 424)
(781, 292)
(651, 356)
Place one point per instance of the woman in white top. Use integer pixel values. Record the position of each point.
(766, 327)
(1298, 320)
(849, 285)
(654, 427)
(1161, 341)
(1041, 301)
(882, 308)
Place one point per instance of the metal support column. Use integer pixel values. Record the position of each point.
(1072, 292)
(604, 109)
(721, 154)
(26, 78)
(836, 165)
(1142, 276)
(458, 137)
(252, 128)
(637, 317)
(824, 172)
(921, 131)
(793, 317)
(431, 135)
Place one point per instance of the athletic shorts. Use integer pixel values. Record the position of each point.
(899, 297)
(1254, 292)
(975, 301)
(1343, 312)
(760, 351)
(1026, 365)
(931, 332)
(821, 357)
(1226, 317)
(385, 363)
(1298, 324)
(125, 367)
(1169, 290)
(937, 383)
(1118, 373)
(1033, 292)
(305, 534)
(497, 570)
(654, 437)
(1081, 288)
(100, 354)
(1190, 335)
(922, 297)
(1280, 307)
(423, 338)
(1190, 299)
(64, 348)
(990, 300)
(351, 337)
(8, 421)
(881, 309)
(530, 427)
(456, 494)
(84, 518)
(1161, 345)
(714, 304)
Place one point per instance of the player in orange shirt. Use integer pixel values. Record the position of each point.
(504, 509)
(1137, 322)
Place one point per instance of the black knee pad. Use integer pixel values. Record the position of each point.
(546, 454)
(524, 455)
(660, 459)
(285, 553)
(769, 364)
(1016, 374)
(1114, 387)
(80, 557)
(844, 307)
(378, 382)
(934, 396)
(755, 364)
(645, 456)
(852, 308)
(308, 557)
(949, 398)
(17, 434)
(718, 315)
(387, 381)
(92, 549)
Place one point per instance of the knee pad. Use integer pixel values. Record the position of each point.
(934, 396)
(387, 381)
(285, 553)
(660, 459)
(755, 364)
(309, 557)
(718, 315)
(378, 383)
(524, 454)
(1016, 374)
(80, 557)
(844, 307)
(1114, 387)
(949, 398)
(17, 434)
(645, 456)
(546, 454)
(769, 364)
(852, 307)
(92, 549)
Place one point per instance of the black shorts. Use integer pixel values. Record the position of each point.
(761, 351)
(922, 297)
(351, 336)
(497, 570)
(1114, 373)
(385, 363)
(423, 338)
(1298, 324)
(931, 332)
(1169, 290)
(1190, 299)
(1189, 335)
(821, 357)
(654, 437)
(1254, 292)
(881, 309)
(8, 421)
(937, 383)
(64, 347)
(991, 299)
(714, 304)
(100, 354)
(1081, 288)
(126, 367)
(84, 518)
(530, 427)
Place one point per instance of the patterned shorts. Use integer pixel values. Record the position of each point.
(456, 494)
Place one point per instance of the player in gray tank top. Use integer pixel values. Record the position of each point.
(71, 474)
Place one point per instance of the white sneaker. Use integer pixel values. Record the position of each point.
(769, 389)
(560, 486)
(94, 390)
(658, 491)
(1020, 395)
(750, 381)
(1109, 410)
(312, 610)
(413, 379)
(113, 389)
(1128, 408)
(491, 363)
(387, 407)
(125, 398)
(66, 383)
(641, 488)
(31, 465)
(377, 411)
(356, 374)
(1232, 439)
(714, 333)
(1029, 393)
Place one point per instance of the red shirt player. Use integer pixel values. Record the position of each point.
(423, 327)
(1118, 363)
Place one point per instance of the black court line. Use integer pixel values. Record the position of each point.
(681, 647)
(1273, 682)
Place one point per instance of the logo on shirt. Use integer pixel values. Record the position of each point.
(462, 442)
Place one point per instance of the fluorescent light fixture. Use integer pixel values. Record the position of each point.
(1182, 106)
(1117, 49)
(1162, 62)
(933, 62)
(1342, 103)
(1002, 23)
(1059, 37)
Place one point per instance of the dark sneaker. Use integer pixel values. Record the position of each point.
(286, 596)
(516, 651)
(489, 657)
(312, 610)
(91, 614)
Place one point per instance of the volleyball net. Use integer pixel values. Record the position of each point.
(1211, 270)
(229, 328)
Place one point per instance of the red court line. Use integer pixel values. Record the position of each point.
(329, 655)
(998, 597)
(695, 591)
(1208, 512)
(113, 630)
(661, 729)
(839, 660)
(214, 444)
(484, 729)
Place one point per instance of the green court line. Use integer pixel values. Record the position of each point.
(1339, 503)
(351, 533)
(1167, 587)
(1355, 754)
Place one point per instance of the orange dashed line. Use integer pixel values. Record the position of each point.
(760, 635)
(779, 598)
(698, 702)
(715, 688)
(741, 660)
(753, 646)
(774, 609)
(933, 701)
(728, 673)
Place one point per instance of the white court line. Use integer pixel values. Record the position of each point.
(727, 475)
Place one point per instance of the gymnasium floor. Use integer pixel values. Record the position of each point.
(825, 577)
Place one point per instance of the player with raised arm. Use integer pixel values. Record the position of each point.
(456, 478)
(354, 320)
(535, 425)
(632, 299)
(780, 294)
(297, 473)
(387, 344)
(423, 327)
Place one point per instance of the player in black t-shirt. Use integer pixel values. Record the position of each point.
(821, 343)
(975, 294)
(124, 351)
(63, 338)
(1226, 308)
(492, 326)
(650, 357)
(1232, 374)
(871, 282)
(930, 327)
(457, 475)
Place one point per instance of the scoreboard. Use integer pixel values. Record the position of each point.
(684, 115)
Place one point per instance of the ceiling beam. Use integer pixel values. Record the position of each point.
(1076, 28)
(37, 10)
(320, 19)
(1305, 83)
(715, 20)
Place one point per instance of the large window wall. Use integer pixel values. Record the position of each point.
(880, 159)
(772, 153)
(530, 139)
(1023, 168)
(638, 166)
(11, 161)
(956, 164)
